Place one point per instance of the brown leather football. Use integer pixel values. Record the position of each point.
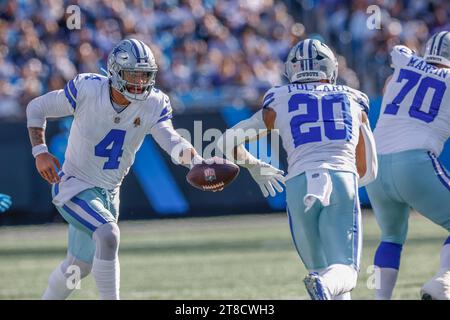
(213, 174)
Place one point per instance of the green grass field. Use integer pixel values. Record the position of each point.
(237, 257)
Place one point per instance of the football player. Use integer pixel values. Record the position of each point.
(410, 134)
(5, 202)
(327, 137)
(112, 116)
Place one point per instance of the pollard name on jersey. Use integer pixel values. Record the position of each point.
(102, 142)
(318, 124)
(415, 111)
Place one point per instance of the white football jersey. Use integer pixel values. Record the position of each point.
(102, 142)
(415, 112)
(318, 124)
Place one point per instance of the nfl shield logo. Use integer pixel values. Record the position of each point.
(210, 174)
(116, 120)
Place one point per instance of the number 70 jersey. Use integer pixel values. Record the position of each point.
(318, 124)
(415, 112)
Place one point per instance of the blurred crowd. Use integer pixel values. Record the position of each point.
(224, 52)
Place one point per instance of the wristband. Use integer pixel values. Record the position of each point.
(40, 148)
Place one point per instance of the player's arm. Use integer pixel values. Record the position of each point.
(366, 156)
(231, 144)
(51, 105)
(179, 149)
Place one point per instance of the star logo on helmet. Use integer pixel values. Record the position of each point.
(117, 50)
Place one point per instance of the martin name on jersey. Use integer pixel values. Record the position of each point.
(415, 109)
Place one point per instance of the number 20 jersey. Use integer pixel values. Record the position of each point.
(415, 112)
(102, 142)
(318, 124)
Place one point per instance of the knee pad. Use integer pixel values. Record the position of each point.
(107, 239)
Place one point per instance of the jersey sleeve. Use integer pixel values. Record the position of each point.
(73, 90)
(164, 112)
(50, 105)
(361, 99)
(400, 56)
(269, 99)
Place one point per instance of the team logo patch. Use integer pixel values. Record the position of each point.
(210, 174)
(137, 122)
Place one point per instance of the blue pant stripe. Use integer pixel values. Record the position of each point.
(85, 206)
(78, 218)
(439, 173)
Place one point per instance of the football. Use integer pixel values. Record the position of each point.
(213, 174)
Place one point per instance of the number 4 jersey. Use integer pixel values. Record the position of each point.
(318, 124)
(103, 142)
(415, 112)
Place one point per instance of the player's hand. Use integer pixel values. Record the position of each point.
(5, 202)
(45, 164)
(268, 178)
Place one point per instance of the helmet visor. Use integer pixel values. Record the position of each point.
(138, 81)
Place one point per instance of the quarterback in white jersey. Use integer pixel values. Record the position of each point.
(329, 144)
(112, 116)
(413, 127)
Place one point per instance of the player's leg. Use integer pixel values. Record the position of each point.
(95, 212)
(341, 235)
(77, 265)
(103, 206)
(428, 192)
(304, 226)
(392, 214)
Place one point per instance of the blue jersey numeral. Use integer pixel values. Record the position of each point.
(115, 139)
(312, 116)
(412, 78)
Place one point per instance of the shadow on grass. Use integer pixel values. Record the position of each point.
(163, 248)
(198, 247)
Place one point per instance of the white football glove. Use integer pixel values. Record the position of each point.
(268, 178)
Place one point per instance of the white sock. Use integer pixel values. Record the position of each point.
(385, 278)
(445, 257)
(344, 296)
(57, 286)
(339, 279)
(107, 277)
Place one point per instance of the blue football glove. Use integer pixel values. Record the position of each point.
(5, 202)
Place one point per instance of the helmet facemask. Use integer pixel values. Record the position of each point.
(136, 84)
